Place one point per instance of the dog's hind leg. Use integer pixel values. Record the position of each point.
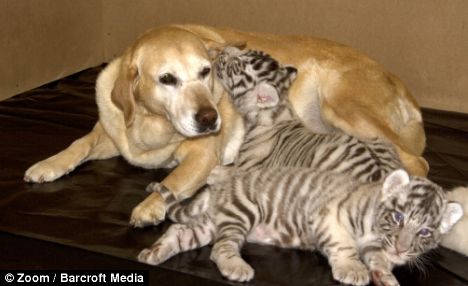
(375, 104)
(364, 125)
(94, 145)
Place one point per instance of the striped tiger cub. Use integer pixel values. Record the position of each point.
(275, 136)
(363, 229)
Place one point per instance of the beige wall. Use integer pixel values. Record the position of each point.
(43, 40)
(424, 42)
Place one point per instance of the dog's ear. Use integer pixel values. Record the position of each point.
(214, 48)
(123, 92)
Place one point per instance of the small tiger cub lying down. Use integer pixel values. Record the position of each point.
(275, 136)
(363, 229)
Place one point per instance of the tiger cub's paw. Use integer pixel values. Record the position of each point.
(384, 278)
(353, 272)
(155, 255)
(236, 269)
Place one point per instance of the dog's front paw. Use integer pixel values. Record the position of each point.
(354, 273)
(46, 171)
(149, 212)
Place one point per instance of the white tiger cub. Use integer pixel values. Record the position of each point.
(275, 136)
(363, 229)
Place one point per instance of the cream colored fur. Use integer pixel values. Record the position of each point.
(457, 238)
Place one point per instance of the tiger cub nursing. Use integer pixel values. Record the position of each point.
(275, 135)
(362, 229)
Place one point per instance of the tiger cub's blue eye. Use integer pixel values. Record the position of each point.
(424, 232)
(398, 217)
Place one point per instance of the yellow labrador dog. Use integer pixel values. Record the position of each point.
(159, 106)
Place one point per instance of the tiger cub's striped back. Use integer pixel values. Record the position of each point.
(275, 136)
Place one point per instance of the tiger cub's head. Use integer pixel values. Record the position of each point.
(412, 216)
(253, 79)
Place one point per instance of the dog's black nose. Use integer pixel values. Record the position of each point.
(206, 117)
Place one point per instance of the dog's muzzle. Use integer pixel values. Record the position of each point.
(207, 119)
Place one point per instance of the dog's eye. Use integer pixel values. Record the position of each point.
(168, 79)
(205, 71)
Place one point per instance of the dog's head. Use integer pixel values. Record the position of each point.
(167, 72)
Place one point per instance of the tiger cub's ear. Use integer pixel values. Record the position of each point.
(291, 71)
(267, 95)
(288, 75)
(394, 182)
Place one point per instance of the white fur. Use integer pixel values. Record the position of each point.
(457, 238)
(394, 182)
(452, 215)
(235, 141)
(234, 268)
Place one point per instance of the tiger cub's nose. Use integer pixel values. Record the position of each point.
(206, 118)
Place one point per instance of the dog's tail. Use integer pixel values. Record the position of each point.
(191, 208)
